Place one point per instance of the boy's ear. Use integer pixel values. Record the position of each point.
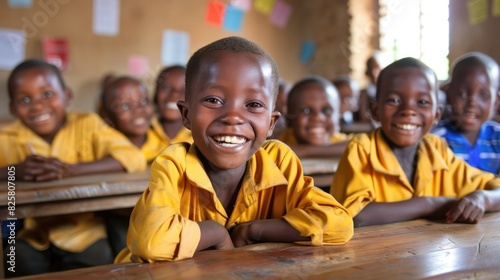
(275, 115)
(12, 108)
(68, 93)
(373, 109)
(439, 113)
(182, 105)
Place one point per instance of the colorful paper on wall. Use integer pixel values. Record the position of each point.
(138, 66)
(106, 19)
(12, 46)
(56, 51)
(244, 5)
(175, 47)
(496, 8)
(215, 12)
(306, 51)
(264, 6)
(20, 3)
(233, 19)
(280, 14)
(477, 11)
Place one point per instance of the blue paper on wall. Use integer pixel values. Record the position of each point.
(233, 19)
(20, 3)
(306, 51)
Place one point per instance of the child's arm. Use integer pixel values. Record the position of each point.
(376, 213)
(471, 208)
(273, 230)
(213, 235)
(332, 150)
(34, 168)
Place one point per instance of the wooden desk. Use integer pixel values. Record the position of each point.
(356, 127)
(321, 169)
(407, 250)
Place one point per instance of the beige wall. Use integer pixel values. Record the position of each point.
(141, 27)
(464, 37)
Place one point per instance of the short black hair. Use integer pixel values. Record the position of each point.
(108, 90)
(30, 64)
(233, 44)
(162, 75)
(409, 62)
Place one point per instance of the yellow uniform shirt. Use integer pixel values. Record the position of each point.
(370, 172)
(155, 143)
(184, 135)
(83, 138)
(288, 138)
(163, 225)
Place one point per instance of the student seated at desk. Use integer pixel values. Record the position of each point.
(231, 187)
(126, 107)
(170, 87)
(472, 93)
(400, 172)
(47, 143)
(313, 119)
(349, 98)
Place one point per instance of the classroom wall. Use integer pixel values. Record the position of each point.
(141, 26)
(466, 37)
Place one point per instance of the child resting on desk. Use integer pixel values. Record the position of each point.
(170, 87)
(126, 107)
(47, 143)
(313, 119)
(472, 93)
(231, 187)
(399, 172)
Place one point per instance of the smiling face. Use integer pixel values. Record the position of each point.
(128, 108)
(229, 109)
(39, 101)
(311, 115)
(471, 98)
(406, 105)
(170, 89)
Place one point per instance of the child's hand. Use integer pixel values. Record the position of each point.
(469, 209)
(38, 168)
(241, 235)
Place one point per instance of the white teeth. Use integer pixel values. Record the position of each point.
(171, 105)
(230, 139)
(42, 118)
(406, 126)
(139, 121)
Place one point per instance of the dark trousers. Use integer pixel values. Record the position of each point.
(30, 261)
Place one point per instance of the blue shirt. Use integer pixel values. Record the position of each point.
(484, 154)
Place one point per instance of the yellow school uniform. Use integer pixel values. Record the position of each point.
(184, 135)
(155, 143)
(83, 138)
(163, 225)
(370, 172)
(288, 138)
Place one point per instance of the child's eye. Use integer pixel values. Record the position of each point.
(485, 95)
(306, 111)
(213, 100)
(424, 102)
(327, 111)
(48, 94)
(255, 105)
(125, 107)
(25, 100)
(392, 100)
(143, 102)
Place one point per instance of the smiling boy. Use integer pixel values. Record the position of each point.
(399, 172)
(230, 188)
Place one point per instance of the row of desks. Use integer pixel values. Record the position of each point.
(408, 250)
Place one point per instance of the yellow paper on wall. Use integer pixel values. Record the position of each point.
(496, 8)
(264, 6)
(477, 11)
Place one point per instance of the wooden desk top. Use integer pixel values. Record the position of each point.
(407, 250)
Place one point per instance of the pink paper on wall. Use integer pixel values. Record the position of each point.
(244, 5)
(280, 14)
(138, 66)
(215, 12)
(56, 51)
